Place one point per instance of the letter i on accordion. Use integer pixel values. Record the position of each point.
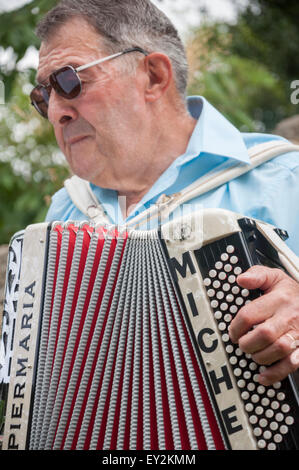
(118, 339)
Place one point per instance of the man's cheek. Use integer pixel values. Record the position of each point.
(60, 141)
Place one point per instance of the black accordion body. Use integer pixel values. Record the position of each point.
(118, 339)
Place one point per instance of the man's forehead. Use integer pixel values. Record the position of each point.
(67, 47)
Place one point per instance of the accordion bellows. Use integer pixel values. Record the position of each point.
(116, 339)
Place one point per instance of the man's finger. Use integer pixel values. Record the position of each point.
(281, 369)
(253, 313)
(260, 277)
(265, 334)
(281, 348)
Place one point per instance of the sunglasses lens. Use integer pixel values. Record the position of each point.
(66, 82)
(40, 99)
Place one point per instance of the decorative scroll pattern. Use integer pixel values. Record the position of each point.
(10, 305)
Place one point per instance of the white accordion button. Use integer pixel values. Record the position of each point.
(271, 393)
(218, 315)
(263, 422)
(257, 432)
(259, 410)
(255, 398)
(228, 268)
(279, 417)
(283, 429)
(226, 287)
(261, 444)
(280, 396)
(237, 270)
(229, 298)
(224, 257)
(271, 446)
(285, 408)
(243, 363)
(223, 306)
(241, 384)
(233, 309)
(233, 360)
(278, 438)
(261, 389)
(225, 338)
(211, 292)
(245, 292)
(269, 413)
(235, 290)
(289, 420)
(219, 265)
(273, 426)
(227, 318)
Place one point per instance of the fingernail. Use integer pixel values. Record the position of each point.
(295, 357)
(263, 380)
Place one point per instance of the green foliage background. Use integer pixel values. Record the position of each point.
(29, 173)
(244, 69)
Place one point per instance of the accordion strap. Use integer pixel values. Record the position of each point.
(82, 196)
(84, 199)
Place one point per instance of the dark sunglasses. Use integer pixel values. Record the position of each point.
(66, 82)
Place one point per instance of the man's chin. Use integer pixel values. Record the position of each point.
(80, 157)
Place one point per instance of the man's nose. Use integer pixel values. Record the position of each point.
(60, 110)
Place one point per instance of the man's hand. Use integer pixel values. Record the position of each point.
(275, 318)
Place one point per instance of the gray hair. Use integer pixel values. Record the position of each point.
(123, 24)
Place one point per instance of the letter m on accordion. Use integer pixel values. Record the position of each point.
(118, 339)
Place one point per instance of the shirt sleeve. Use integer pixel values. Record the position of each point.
(282, 202)
(270, 193)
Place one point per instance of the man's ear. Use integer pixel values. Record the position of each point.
(158, 67)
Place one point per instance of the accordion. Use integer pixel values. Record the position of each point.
(118, 339)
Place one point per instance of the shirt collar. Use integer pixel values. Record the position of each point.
(213, 134)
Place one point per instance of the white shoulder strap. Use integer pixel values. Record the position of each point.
(82, 196)
(259, 154)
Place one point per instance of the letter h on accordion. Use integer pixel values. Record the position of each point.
(119, 339)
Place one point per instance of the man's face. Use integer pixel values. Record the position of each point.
(97, 130)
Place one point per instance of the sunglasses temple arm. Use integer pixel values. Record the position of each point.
(96, 62)
(113, 56)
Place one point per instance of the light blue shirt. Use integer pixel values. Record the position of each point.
(269, 193)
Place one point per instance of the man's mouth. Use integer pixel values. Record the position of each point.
(76, 140)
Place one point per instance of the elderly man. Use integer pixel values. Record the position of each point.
(112, 81)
